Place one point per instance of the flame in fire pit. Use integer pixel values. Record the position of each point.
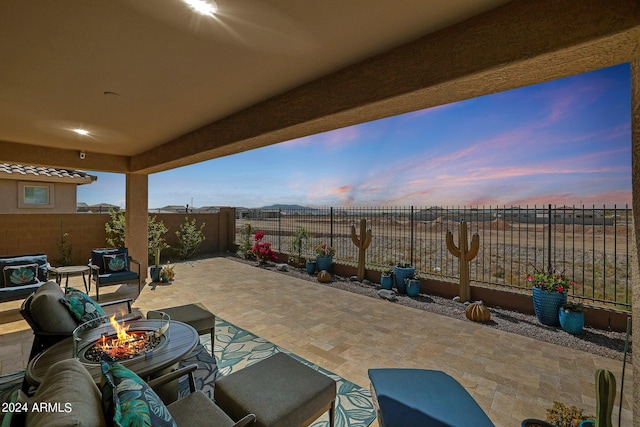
(124, 344)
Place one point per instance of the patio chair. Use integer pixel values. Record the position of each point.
(113, 267)
(49, 319)
(196, 409)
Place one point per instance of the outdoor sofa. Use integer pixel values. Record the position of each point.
(21, 275)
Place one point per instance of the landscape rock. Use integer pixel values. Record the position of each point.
(387, 294)
(282, 267)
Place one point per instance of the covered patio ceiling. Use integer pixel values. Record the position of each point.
(159, 86)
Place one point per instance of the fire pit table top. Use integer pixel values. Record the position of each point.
(182, 340)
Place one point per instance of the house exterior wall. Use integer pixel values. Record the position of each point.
(63, 200)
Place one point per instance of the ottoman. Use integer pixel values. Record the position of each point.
(195, 315)
(421, 397)
(279, 390)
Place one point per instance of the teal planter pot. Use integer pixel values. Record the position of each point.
(386, 282)
(311, 267)
(571, 321)
(413, 287)
(154, 272)
(324, 263)
(401, 273)
(547, 304)
(587, 423)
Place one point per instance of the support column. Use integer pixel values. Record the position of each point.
(635, 249)
(137, 239)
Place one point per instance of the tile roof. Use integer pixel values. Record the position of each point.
(11, 171)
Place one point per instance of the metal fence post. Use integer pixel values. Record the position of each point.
(331, 227)
(411, 242)
(280, 230)
(549, 242)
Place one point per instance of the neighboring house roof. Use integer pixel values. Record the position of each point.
(45, 174)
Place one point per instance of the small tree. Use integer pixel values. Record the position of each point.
(115, 228)
(157, 242)
(245, 245)
(299, 243)
(189, 238)
(64, 247)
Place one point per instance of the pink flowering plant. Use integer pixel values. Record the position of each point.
(322, 249)
(549, 280)
(262, 250)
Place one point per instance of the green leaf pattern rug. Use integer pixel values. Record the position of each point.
(236, 348)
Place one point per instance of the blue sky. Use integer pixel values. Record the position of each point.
(563, 142)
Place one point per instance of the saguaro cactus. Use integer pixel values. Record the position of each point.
(465, 255)
(362, 243)
(605, 395)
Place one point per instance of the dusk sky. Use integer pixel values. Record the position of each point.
(565, 142)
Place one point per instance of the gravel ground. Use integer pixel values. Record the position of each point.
(603, 343)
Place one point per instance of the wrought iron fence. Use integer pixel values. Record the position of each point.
(591, 245)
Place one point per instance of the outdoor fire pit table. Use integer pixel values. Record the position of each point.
(178, 340)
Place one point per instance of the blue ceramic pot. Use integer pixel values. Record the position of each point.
(324, 263)
(386, 282)
(401, 273)
(546, 305)
(571, 321)
(413, 287)
(311, 267)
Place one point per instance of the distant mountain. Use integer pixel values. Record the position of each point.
(277, 206)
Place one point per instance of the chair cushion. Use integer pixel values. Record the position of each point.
(196, 409)
(123, 276)
(81, 306)
(20, 275)
(97, 256)
(129, 401)
(115, 263)
(70, 385)
(40, 259)
(421, 397)
(48, 313)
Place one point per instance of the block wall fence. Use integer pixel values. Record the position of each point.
(41, 233)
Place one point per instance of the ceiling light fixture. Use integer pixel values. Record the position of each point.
(81, 131)
(207, 8)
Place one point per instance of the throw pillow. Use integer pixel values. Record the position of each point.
(82, 306)
(129, 401)
(115, 263)
(20, 275)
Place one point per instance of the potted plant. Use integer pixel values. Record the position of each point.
(412, 285)
(299, 242)
(157, 242)
(324, 256)
(571, 316)
(386, 279)
(167, 274)
(549, 289)
(401, 271)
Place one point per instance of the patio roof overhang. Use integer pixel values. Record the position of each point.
(515, 44)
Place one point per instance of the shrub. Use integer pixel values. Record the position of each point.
(116, 229)
(64, 247)
(189, 238)
(157, 242)
(245, 245)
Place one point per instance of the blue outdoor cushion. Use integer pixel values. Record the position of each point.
(97, 256)
(122, 276)
(40, 259)
(420, 397)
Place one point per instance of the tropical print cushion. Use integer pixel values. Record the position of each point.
(20, 275)
(129, 401)
(115, 263)
(81, 306)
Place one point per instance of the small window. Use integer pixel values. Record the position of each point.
(35, 195)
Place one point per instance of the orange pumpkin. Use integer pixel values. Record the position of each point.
(478, 312)
(324, 276)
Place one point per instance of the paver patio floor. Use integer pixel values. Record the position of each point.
(512, 377)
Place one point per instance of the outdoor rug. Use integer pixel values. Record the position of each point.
(236, 348)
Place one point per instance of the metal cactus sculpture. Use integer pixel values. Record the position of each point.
(465, 255)
(605, 395)
(362, 243)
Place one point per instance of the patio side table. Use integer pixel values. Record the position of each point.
(71, 270)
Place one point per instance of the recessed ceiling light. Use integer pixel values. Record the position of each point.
(207, 8)
(81, 131)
